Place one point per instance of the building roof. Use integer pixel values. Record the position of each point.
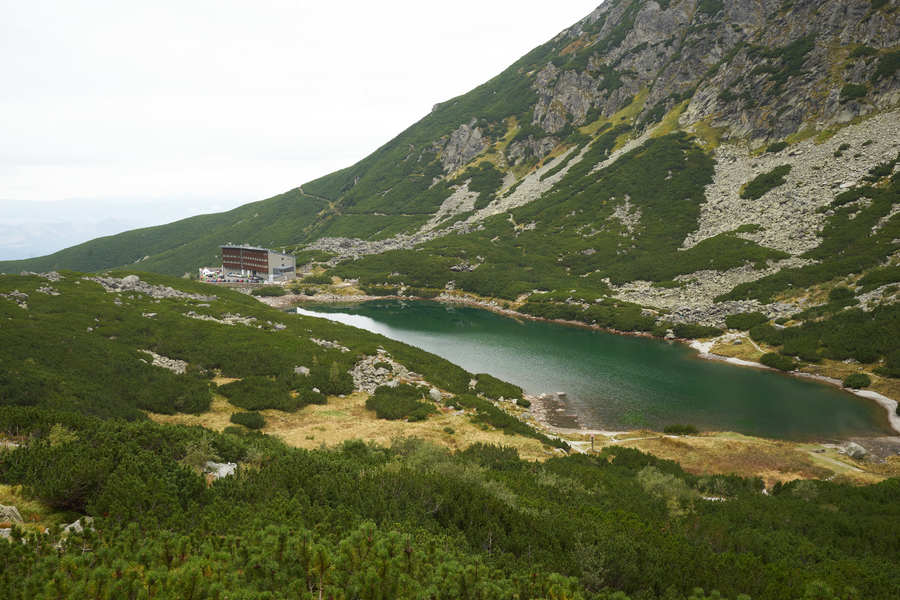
(249, 247)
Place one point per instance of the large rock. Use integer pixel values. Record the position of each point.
(79, 525)
(855, 451)
(219, 470)
(10, 514)
(465, 143)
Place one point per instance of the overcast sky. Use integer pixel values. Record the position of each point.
(121, 114)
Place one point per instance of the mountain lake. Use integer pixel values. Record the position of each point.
(618, 382)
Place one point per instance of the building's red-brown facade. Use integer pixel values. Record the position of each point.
(258, 262)
(243, 259)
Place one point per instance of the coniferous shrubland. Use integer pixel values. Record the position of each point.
(401, 402)
(857, 381)
(745, 321)
(495, 388)
(250, 420)
(365, 521)
(693, 331)
(761, 184)
(778, 361)
(321, 279)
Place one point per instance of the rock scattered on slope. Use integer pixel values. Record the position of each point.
(854, 451)
(18, 297)
(329, 344)
(227, 318)
(133, 283)
(367, 377)
(219, 470)
(79, 525)
(172, 364)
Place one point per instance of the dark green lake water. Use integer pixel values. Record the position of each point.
(619, 382)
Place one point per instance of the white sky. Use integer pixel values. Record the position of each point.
(135, 113)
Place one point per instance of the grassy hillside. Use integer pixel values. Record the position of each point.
(185, 245)
(123, 342)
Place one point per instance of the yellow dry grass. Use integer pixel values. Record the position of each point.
(216, 418)
(575, 46)
(512, 128)
(632, 110)
(889, 468)
(594, 127)
(347, 418)
(771, 460)
(625, 115)
(744, 351)
(885, 386)
(669, 122)
(710, 137)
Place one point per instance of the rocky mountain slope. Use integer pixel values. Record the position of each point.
(688, 159)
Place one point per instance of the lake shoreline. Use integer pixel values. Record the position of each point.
(702, 348)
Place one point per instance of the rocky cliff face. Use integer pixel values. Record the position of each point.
(760, 68)
(465, 143)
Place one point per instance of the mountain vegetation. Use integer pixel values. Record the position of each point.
(417, 521)
(675, 167)
(89, 355)
(734, 156)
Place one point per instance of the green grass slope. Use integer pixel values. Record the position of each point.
(71, 345)
(293, 217)
(185, 245)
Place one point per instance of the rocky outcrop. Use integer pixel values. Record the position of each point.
(786, 73)
(10, 514)
(179, 367)
(563, 97)
(79, 525)
(460, 201)
(329, 344)
(530, 147)
(226, 319)
(854, 451)
(465, 143)
(789, 216)
(219, 470)
(628, 215)
(20, 298)
(133, 283)
(374, 371)
(767, 68)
